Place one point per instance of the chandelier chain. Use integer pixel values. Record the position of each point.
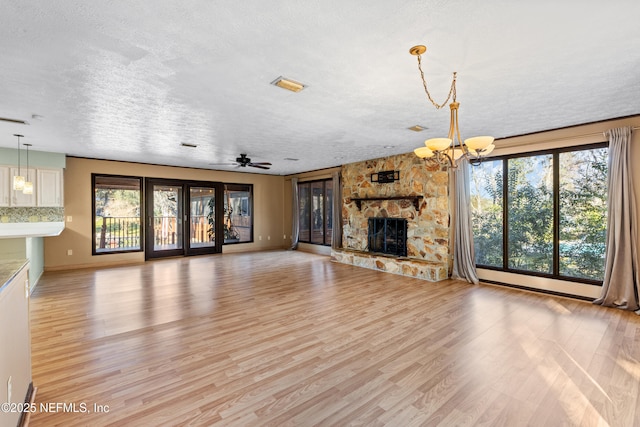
(452, 90)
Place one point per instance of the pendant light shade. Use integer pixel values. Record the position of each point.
(28, 188)
(18, 180)
(438, 144)
(28, 185)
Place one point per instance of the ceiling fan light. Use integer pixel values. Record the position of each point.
(423, 152)
(438, 144)
(478, 142)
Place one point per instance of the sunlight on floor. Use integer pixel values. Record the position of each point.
(631, 367)
(557, 307)
(572, 400)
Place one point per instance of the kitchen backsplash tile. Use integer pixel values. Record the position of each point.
(31, 214)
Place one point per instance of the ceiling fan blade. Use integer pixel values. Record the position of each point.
(222, 164)
(255, 165)
(261, 163)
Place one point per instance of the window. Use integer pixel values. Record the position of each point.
(543, 214)
(530, 213)
(238, 213)
(316, 216)
(116, 214)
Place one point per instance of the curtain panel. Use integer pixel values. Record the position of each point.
(620, 285)
(295, 214)
(336, 214)
(464, 259)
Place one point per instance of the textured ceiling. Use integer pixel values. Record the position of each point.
(133, 79)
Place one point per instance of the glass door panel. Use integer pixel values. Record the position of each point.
(202, 222)
(165, 214)
(304, 199)
(167, 217)
(317, 204)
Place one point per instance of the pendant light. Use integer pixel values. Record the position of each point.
(447, 151)
(28, 184)
(18, 180)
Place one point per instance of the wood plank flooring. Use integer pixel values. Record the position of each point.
(290, 339)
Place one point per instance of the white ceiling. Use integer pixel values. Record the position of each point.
(133, 79)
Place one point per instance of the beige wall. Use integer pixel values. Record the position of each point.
(268, 208)
(574, 136)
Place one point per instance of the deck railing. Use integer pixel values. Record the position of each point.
(117, 233)
(123, 233)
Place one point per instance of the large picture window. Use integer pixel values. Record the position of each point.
(316, 216)
(543, 213)
(117, 202)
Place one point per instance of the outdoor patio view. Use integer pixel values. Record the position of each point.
(118, 225)
(117, 214)
(551, 207)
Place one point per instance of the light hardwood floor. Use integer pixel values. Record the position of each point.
(287, 338)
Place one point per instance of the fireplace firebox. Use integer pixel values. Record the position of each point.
(388, 236)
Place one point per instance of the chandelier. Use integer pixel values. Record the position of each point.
(447, 151)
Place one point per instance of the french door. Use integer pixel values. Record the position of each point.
(183, 217)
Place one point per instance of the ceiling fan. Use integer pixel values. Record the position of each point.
(244, 161)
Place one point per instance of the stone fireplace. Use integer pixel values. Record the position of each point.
(420, 196)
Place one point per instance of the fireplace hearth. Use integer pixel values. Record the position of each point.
(387, 236)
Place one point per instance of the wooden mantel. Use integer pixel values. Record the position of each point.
(414, 199)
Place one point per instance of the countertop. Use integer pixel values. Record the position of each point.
(11, 230)
(8, 270)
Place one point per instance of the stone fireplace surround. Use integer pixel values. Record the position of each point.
(424, 185)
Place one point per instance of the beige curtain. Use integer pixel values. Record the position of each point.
(464, 260)
(336, 213)
(295, 214)
(621, 277)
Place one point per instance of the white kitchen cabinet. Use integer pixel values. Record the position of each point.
(15, 338)
(18, 198)
(5, 186)
(49, 188)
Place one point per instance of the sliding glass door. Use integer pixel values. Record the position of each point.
(182, 217)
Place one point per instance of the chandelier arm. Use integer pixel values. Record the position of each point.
(440, 155)
(452, 90)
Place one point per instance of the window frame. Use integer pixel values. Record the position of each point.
(141, 215)
(327, 184)
(250, 207)
(555, 152)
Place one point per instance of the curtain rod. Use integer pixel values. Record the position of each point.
(632, 129)
(566, 138)
(590, 134)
